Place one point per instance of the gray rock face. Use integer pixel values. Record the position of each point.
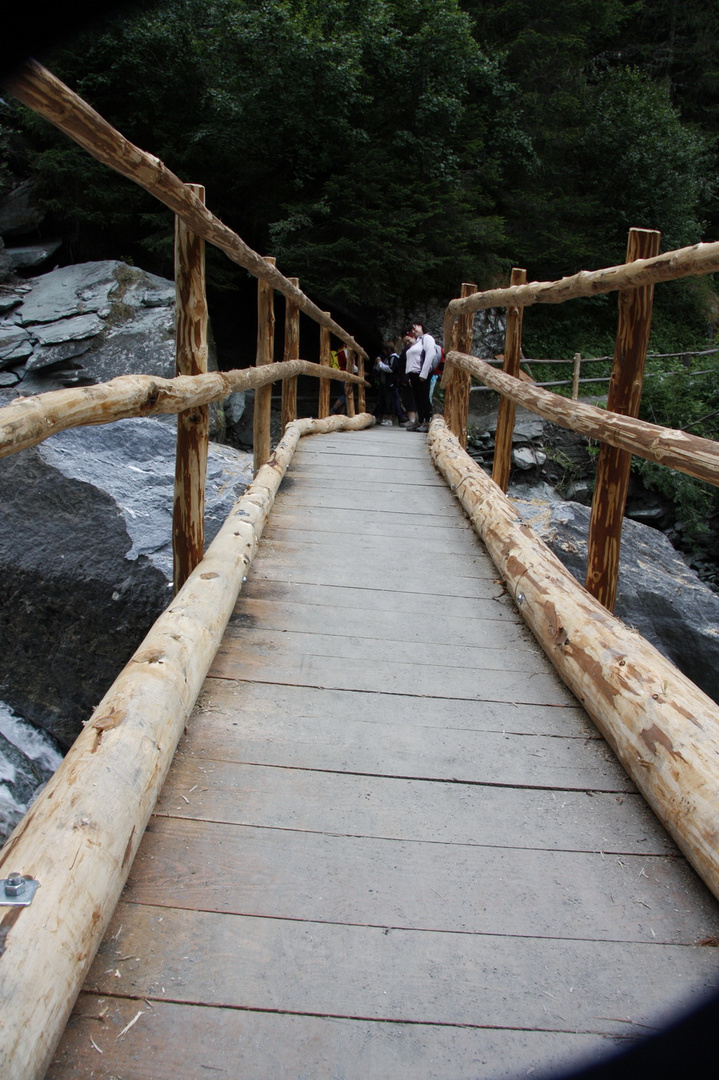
(86, 562)
(657, 592)
(84, 324)
(19, 211)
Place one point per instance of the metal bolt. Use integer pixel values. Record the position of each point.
(14, 884)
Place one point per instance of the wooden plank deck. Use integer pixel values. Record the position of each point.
(391, 844)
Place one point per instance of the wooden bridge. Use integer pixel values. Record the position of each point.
(391, 842)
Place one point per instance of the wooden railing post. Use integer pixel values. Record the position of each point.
(576, 371)
(625, 392)
(323, 407)
(507, 408)
(456, 394)
(193, 425)
(349, 388)
(265, 355)
(291, 352)
(361, 390)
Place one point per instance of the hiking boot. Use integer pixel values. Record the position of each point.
(412, 426)
(422, 427)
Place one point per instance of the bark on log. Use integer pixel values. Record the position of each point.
(361, 392)
(664, 730)
(323, 405)
(262, 414)
(680, 450)
(45, 94)
(349, 389)
(193, 425)
(456, 382)
(81, 835)
(683, 262)
(27, 421)
(624, 397)
(507, 409)
(291, 352)
(576, 370)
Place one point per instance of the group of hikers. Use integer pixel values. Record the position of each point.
(405, 381)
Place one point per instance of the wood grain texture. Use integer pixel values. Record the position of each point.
(291, 352)
(193, 425)
(357, 852)
(507, 409)
(675, 448)
(379, 973)
(456, 382)
(265, 355)
(81, 834)
(662, 727)
(184, 1042)
(624, 397)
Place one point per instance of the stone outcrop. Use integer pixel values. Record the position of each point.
(86, 561)
(657, 592)
(84, 324)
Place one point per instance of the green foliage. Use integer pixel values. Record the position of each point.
(677, 398)
(385, 150)
(359, 140)
(641, 164)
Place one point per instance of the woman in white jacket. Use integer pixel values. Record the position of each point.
(420, 357)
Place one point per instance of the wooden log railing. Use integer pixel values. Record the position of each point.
(46, 95)
(193, 425)
(82, 847)
(80, 837)
(625, 392)
(670, 266)
(634, 280)
(664, 730)
(41, 91)
(690, 454)
(28, 421)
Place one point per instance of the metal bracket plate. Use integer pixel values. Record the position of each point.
(17, 890)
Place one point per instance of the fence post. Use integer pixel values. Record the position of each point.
(265, 355)
(456, 394)
(361, 389)
(349, 387)
(625, 392)
(575, 375)
(507, 408)
(193, 425)
(291, 352)
(323, 407)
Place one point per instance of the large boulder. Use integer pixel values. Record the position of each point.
(86, 561)
(657, 592)
(85, 324)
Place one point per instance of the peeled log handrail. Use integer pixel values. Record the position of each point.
(28, 421)
(45, 94)
(663, 729)
(683, 262)
(80, 837)
(677, 449)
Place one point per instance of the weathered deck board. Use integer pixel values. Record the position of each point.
(391, 844)
(493, 759)
(395, 975)
(521, 892)
(183, 1041)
